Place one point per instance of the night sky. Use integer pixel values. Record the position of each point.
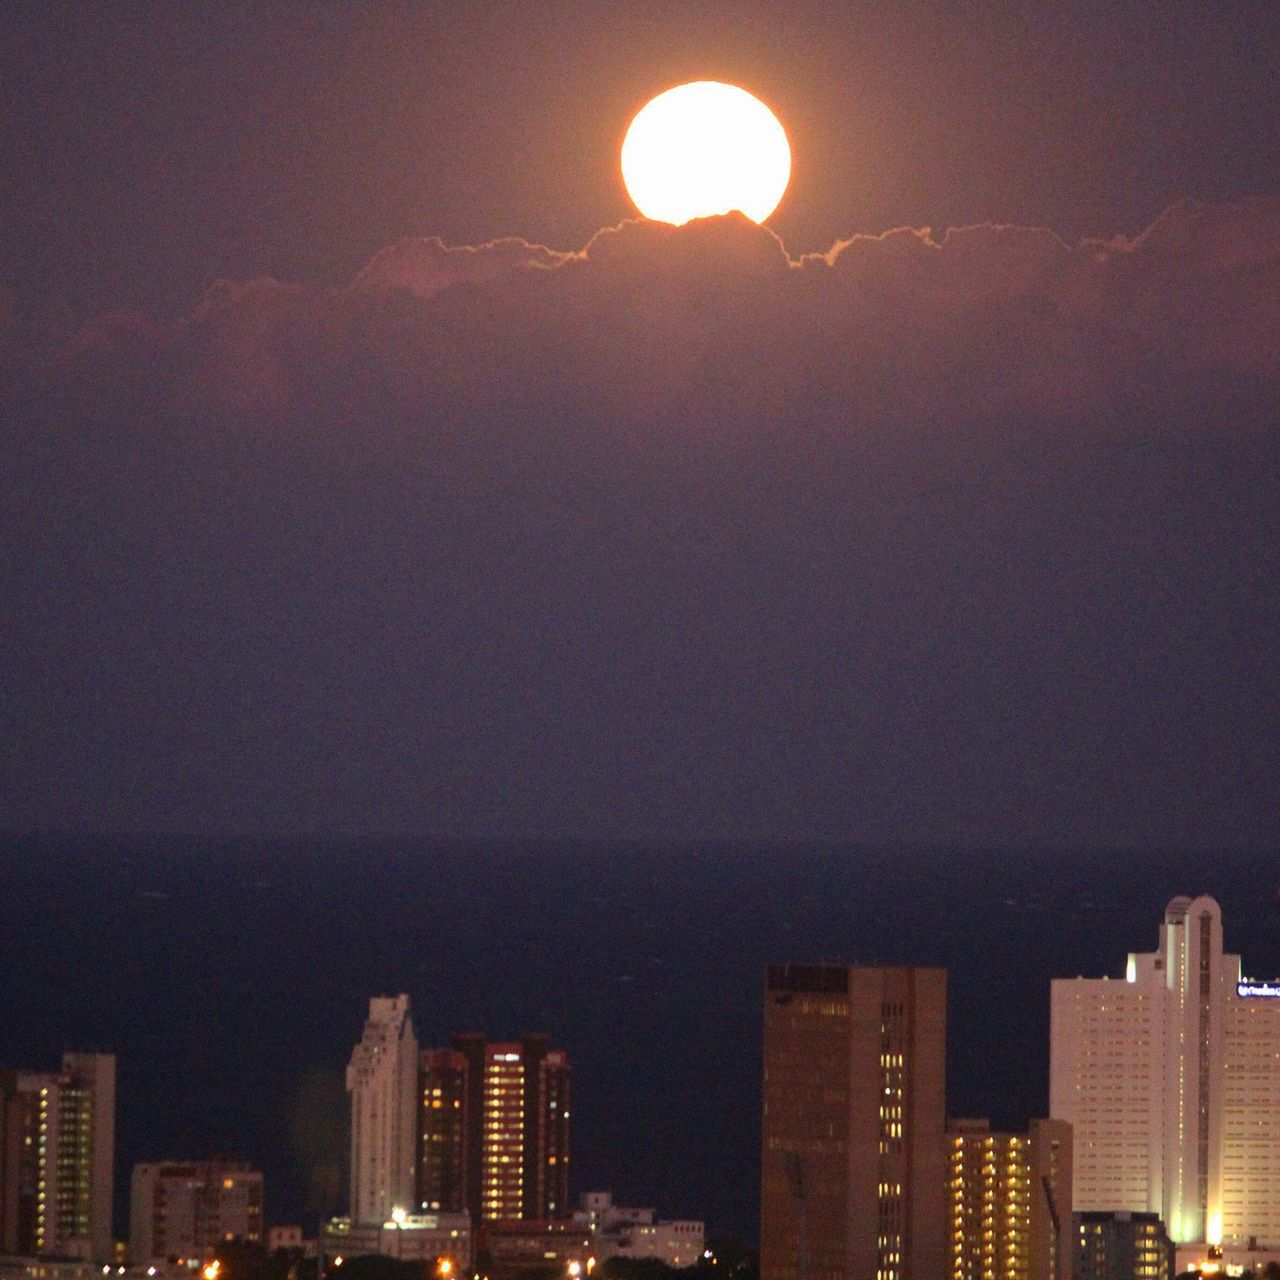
(368, 470)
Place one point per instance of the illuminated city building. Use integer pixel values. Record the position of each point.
(515, 1127)
(57, 1153)
(854, 1162)
(480, 1128)
(1122, 1246)
(442, 1131)
(187, 1209)
(1009, 1212)
(1170, 1079)
(382, 1079)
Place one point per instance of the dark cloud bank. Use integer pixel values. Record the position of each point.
(969, 537)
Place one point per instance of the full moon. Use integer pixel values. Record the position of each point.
(702, 149)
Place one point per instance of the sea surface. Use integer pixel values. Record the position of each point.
(232, 979)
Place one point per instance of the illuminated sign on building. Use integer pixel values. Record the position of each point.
(1271, 989)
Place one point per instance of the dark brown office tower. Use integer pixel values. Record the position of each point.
(471, 1046)
(515, 1127)
(854, 1168)
(546, 1129)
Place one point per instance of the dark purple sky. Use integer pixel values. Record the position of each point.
(311, 525)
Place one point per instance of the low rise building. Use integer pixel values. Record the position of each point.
(622, 1232)
(408, 1237)
(1229, 1261)
(188, 1209)
(1122, 1246)
(511, 1247)
(284, 1237)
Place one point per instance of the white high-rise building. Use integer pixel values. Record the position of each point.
(1170, 1078)
(382, 1079)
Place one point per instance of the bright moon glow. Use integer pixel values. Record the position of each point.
(702, 149)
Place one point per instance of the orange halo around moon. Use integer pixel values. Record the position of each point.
(702, 149)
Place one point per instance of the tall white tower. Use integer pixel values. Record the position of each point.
(1171, 1082)
(382, 1079)
(1191, 943)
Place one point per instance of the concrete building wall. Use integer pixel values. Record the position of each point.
(1106, 1081)
(809, 1126)
(1053, 1199)
(1251, 1114)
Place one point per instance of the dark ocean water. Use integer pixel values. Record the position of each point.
(232, 979)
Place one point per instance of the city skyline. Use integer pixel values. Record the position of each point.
(1244, 984)
(630, 1004)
